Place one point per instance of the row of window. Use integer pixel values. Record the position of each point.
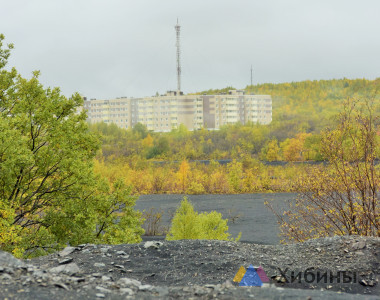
(144, 109)
(105, 103)
(158, 107)
(108, 115)
(156, 119)
(107, 109)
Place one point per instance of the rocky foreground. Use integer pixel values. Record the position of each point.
(328, 268)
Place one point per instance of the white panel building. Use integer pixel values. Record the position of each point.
(163, 113)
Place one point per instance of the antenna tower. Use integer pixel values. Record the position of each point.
(251, 76)
(178, 30)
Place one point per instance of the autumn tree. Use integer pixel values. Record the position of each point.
(183, 175)
(344, 197)
(148, 141)
(293, 149)
(271, 152)
(235, 174)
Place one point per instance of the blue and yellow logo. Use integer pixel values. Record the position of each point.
(251, 277)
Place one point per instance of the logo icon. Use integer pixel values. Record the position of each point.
(251, 277)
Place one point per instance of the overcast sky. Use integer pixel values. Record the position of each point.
(107, 49)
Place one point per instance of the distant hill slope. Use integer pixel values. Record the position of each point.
(308, 106)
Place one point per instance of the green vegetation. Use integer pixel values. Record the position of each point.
(245, 176)
(300, 111)
(49, 193)
(188, 224)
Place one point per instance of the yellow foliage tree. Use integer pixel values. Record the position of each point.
(235, 174)
(183, 175)
(273, 151)
(292, 149)
(148, 141)
(197, 181)
(218, 183)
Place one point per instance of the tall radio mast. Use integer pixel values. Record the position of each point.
(178, 30)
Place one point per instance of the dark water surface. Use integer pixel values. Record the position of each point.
(256, 222)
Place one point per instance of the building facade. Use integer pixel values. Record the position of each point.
(165, 112)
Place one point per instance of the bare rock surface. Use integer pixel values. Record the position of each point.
(327, 268)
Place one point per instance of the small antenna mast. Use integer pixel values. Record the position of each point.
(178, 30)
(251, 76)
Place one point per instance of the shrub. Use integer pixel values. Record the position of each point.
(188, 224)
(153, 222)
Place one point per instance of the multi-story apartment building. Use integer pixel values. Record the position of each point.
(219, 110)
(163, 113)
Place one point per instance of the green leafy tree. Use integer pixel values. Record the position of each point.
(161, 146)
(116, 201)
(49, 195)
(140, 130)
(184, 223)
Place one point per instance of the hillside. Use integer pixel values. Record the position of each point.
(308, 106)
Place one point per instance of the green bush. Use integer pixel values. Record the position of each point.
(188, 224)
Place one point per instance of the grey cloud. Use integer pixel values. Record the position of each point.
(105, 49)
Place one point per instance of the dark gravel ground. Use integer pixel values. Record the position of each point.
(196, 269)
